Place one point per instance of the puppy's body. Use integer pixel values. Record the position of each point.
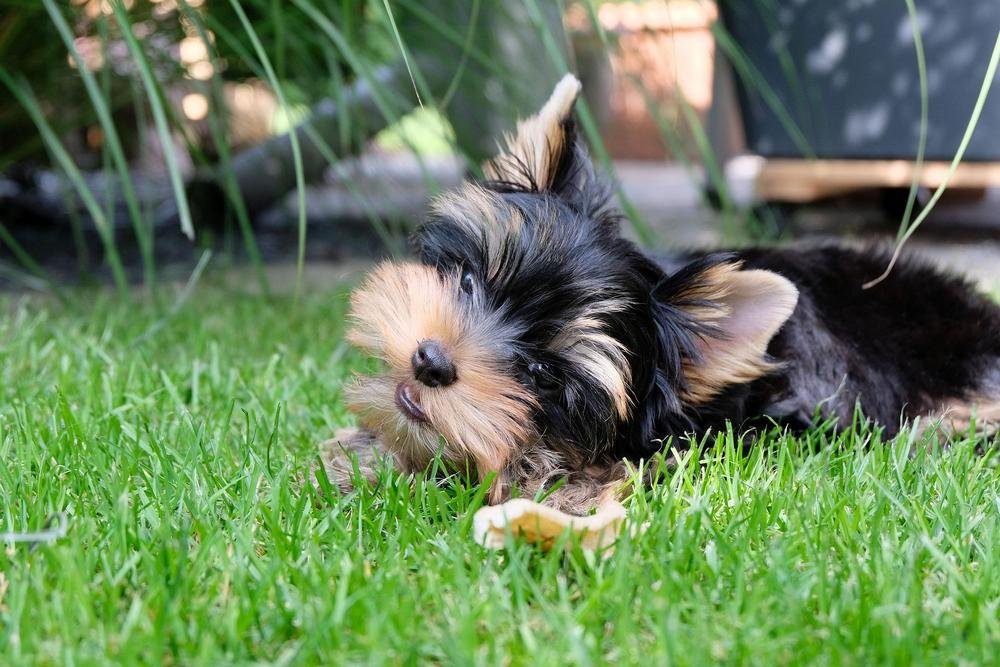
(920, 344)
(531, 341)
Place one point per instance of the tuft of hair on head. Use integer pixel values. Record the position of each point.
(733, 314)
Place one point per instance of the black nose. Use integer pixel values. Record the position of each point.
(432, 366)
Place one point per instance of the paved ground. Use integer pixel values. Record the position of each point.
(959, 236)
(963, 237)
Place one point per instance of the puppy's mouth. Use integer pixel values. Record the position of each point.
(408, 402)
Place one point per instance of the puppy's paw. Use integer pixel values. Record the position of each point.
(351, 451)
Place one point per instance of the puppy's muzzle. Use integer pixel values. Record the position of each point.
(432, 366)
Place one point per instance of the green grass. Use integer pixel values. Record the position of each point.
(175, 450)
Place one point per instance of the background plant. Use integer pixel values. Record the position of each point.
(135, 107)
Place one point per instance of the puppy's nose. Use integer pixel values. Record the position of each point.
(431, 365)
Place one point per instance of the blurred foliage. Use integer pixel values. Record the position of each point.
(303, 58)
(240, 102)
(202, 114)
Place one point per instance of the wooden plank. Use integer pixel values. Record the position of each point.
(802, 181)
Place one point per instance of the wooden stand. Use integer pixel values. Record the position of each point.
(800, 181)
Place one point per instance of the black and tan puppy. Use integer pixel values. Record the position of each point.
(532, 341)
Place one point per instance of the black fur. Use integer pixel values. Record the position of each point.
(898, 349)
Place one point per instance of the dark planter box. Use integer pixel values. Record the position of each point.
(846, 72)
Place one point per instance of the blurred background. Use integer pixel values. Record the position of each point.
(290, 141)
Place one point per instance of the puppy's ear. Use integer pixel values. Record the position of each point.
(544, 154)
(733, 314)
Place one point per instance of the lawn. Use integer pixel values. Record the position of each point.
(175, 446)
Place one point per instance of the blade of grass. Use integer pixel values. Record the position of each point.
(668, 134)
(595, 23)
(767, 11)
(322, 146)
(111, 139)
(182, 298)
(218, 128)
(457, 39)
(754, 80)
(711, 164)
(345, 122)
(72, 208)
(419, 83)
(343, 131)
(387, 237)
(710, 161)
(372, 79)
(970, 128)
(152, 87)
(918, 165)
(464, 60)
(300, 185)
(280, 39)
(22, 92)
(402, 50)
(390, 111)
(6, 238)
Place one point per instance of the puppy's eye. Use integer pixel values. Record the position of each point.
(468, 281)
(542, 376)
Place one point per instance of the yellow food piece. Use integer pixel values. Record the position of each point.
(537, 524)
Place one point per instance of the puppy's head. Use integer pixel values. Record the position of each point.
(529, 321)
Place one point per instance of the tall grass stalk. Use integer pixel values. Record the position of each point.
(386, 101)
(643, 231)
(918, 165)
(403, 51)
(25, 258)
(345, 54)
(22, 92)
(970, 128)
(220, 138)
(300, 185)
(99, 101)
(754, 80)
(463, 61)
(153, 94)
(378, 224)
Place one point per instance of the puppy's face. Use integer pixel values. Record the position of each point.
(509, 332)
(506, 334)
(447, 386)
(528, 321)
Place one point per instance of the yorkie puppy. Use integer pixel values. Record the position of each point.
(533, 344)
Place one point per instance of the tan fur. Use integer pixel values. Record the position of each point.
(724, 296)
(954, 417)
(584, 342)
(583, 487)
(347, 445)
(538, 143)
(483, 417)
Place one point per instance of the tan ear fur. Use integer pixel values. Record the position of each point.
(750, 308)
(529, 158)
